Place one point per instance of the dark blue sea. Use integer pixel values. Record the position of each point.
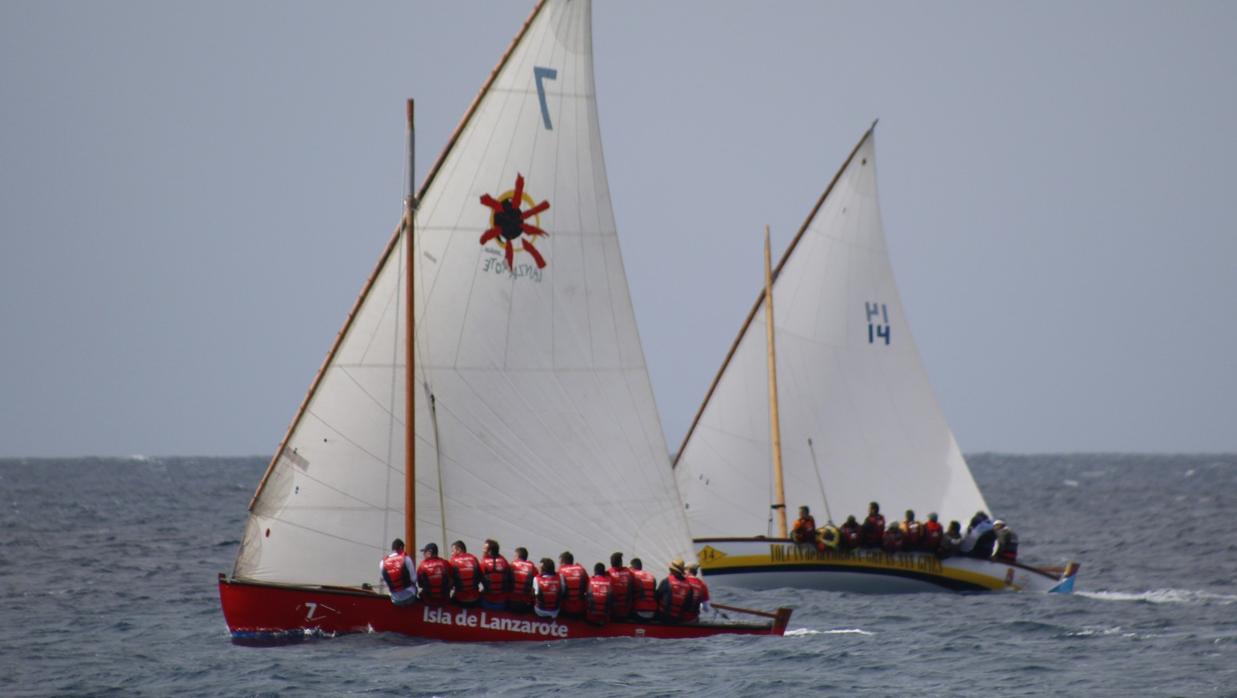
(108, 587)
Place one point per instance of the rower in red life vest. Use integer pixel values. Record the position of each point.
(804, 530)
(932, 532)
(873, 530)
(622, 588)
(599, 599)
(891, 542)
(465, 575)
(644, 592)
(700, 593)
(850, 534)
(495, 577)
(912, 531)
(547, 590)
(523, 572)
(434, 577)
(399, 574)
(575, 584)
(674, 595)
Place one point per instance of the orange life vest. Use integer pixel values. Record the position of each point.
(804, 530)
(621, 587)
(434, 576)
(549, 592)
(467, 573)
(599, 599)
(700, 594)
(674, 606)
(522, 574)
(645, 585)
(575, 583)
(395, 572)
(497, 574)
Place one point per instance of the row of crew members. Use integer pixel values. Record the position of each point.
(984, 537)
(493, 583)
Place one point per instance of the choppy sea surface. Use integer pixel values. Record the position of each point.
(108, 587)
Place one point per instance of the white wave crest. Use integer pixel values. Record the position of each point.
(1162, 596)
(799, 632)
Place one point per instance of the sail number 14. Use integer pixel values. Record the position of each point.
(880, 328)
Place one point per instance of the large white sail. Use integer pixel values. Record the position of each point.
(849, 379)
(544, 432)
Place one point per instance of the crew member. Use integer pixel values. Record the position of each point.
(850, 533)
(644, 592)
(804, 530)
(495, 577)
(599, 599)
(873, 530)
(951, 542)
(399, 574)
(622, 588)
(1006, 542)
(523, 572)
(465, 575)
(434, 577)
(980, 538)
(912, 531)
(932, 533)
(674, 595)
(892, 541)
(575, 584)
(547, 590)
(700, 593)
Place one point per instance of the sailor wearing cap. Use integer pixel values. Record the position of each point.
(1006, 542)
(674, 595)
(434, 577)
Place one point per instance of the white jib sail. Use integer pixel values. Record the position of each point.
(849, 378)
(547, 434)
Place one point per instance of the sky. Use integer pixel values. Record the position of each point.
(192, 195)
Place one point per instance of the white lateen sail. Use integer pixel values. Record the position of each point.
(544, 431)
(849, 379)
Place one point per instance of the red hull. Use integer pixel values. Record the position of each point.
(263, 613)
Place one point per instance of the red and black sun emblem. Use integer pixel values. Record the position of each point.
(508, 223)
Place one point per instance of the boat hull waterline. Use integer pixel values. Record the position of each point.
(261, 613)
(765, 563)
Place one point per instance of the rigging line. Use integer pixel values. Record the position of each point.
(442, 497)
(820, 481)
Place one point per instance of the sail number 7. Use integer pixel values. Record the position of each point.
(540, 74)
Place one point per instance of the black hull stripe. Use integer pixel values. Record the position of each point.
(945, 582)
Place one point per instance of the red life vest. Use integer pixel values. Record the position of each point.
(467, 573)
(549, 592)
(932, 532)
(497, 572)
(645, 585)
(395, 572)
(621, 587)
(434, 576)
(522, 574)
(912, 534)
(850, 536)
(873, 530)
(599, 597)
(675, 605)
(700, 594)
(575, 582)
(892, 540)
(804, 530)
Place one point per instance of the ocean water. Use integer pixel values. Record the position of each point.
(108, 587)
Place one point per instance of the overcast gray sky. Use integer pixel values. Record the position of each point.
(192, 194)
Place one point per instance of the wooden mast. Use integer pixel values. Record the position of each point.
(410, 422)
(775, 429)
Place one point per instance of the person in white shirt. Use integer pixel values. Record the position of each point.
(400, 574)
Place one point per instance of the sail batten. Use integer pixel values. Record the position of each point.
(850, 380)
(545, 433)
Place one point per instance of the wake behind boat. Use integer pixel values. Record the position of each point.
(855, 421)
(528, 415)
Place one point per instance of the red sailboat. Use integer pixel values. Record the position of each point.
(528, 414)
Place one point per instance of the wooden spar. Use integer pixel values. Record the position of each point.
(775, 427)
(751, 314)
(749, 611)
(410, 421)
(386, 253)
